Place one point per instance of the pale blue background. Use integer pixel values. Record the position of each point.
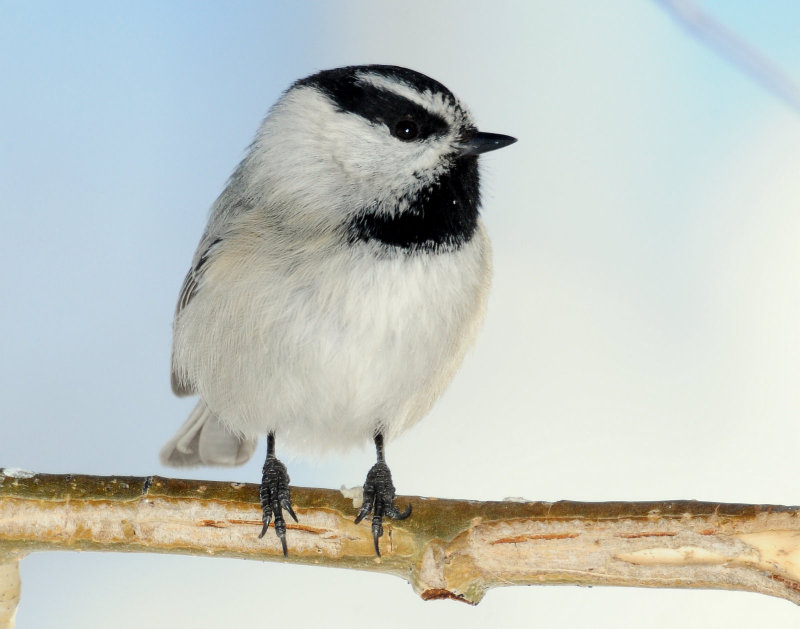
(642, 336)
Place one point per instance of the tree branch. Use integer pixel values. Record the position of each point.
(9, 592)
(447, 549)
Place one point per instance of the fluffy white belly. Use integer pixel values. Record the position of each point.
(325, 352)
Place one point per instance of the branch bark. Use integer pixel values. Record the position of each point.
(447, 549)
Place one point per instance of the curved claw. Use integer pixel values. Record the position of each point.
(393, 513)
(282, 537)
(377, 532)
(366, 508)
(288, 507)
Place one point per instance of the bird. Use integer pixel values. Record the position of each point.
(340, 280)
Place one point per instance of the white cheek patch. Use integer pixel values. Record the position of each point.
(349, 162)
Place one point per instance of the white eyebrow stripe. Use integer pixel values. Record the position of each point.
(425, 99)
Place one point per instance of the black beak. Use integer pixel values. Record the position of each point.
(485, 142)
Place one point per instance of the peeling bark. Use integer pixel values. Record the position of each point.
(454, 549)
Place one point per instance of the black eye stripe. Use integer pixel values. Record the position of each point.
(377, 105)
(382, 106)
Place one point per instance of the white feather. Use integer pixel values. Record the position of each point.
(323, 349)
(296, 330)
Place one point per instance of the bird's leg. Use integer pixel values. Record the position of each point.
(274, 493)
(379, 496)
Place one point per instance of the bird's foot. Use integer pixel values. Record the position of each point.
(379, 500)
(275, 497)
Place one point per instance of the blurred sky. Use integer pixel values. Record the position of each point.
(641, 341)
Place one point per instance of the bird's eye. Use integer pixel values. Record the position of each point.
(406, 130)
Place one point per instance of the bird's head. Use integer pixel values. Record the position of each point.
(369, 140)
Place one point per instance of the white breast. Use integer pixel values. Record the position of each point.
(323, 347)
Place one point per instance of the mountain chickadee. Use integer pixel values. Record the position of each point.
(341, 278)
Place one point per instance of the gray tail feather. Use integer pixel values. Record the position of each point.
(203, 440)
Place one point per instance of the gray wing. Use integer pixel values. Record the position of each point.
(231, 203)
(191, 283)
